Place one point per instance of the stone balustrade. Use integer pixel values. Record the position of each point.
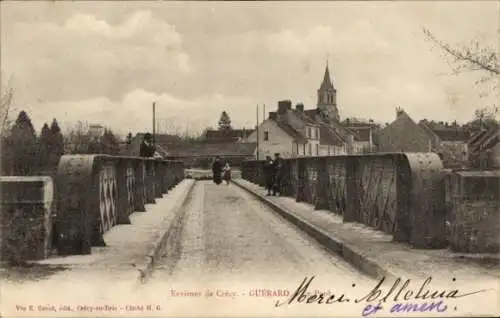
(92, 194)
(398, 193)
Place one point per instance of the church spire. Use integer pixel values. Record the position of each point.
(327, 97)
(327, 83)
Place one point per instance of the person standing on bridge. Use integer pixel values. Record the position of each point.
(278, 174)
(227, 173)
(269, 174)
(147, 149)
(217, 170)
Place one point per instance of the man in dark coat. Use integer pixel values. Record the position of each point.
(147, 149)
(278, 173)
(269, 174)
(217, 170)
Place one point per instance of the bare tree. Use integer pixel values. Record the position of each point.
(6, 108)
(471, 58)
(77, 138)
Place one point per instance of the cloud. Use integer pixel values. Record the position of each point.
(133, 112)
(201, 59)
(85, 56)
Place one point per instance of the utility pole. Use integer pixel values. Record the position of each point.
(257, 129)
(154, 124)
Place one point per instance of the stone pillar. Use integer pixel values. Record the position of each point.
(402, 227)
(322, 184)
(476, 210)
(26, 218)
(123, 182)
(157, 176)
(301, 171)
(140, 186)
(352, 209)
(150, 182)
(426, 206)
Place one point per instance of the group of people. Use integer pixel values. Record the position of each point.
(273, 170)
(221, 171)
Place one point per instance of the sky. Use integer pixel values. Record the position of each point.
(106, 62)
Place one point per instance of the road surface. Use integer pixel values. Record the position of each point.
(227, 234)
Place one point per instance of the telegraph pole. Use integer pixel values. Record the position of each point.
(258, 151)
(154, 124)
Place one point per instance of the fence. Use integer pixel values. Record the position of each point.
(398, 193)
(92, 194)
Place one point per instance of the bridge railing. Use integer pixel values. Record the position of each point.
(91, 194)
(398, 193)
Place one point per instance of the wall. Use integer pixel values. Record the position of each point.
(311, 145)
(279, 141)
(332, 150)
(403, 135)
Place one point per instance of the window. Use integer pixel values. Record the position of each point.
(317, 133)
(266, 135)
(304, 148)
(309, 132)
(317, 149)
(297, 148)
(310, 149)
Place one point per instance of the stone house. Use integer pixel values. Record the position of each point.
(287, 132)
(405, 135)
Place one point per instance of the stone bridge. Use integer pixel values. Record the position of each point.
(88, 196)
(406, 195)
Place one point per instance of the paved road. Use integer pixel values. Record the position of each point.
(227, 234)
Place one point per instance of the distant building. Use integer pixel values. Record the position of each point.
(312, 132)
(194, 153)
(231, 135)
(405, 135)
(96, 130)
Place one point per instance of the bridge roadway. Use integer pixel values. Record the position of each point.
(227, 240)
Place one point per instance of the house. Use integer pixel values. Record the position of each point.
(286, 132)
(364, 135)
(194, 153)
(484, 149)
(312, 132)
(405, 135)
(95, 131)
(230, 135)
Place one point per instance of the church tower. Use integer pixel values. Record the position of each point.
(327, 98)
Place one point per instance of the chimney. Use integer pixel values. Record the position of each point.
(299, 107)
(399, 111)
(273, 116)
(283, 106)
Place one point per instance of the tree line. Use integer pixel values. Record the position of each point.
(24, 153)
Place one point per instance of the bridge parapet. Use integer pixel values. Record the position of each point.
(398, 193)
(92, 193)
(26, 218)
